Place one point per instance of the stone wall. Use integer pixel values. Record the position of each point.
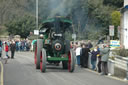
(4, 37)
(16, 37)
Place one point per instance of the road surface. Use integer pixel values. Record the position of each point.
(21, 71)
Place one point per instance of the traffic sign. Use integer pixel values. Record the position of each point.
(111, 30)
(74, 36)
(36, 32)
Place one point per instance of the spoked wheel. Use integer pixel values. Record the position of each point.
(71, 61)
(43, 61)
(39, 46)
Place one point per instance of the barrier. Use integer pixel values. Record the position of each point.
(122, 63)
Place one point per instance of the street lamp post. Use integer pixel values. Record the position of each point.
(37, 14)
(37, 28)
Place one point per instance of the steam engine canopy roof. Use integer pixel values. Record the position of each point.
(49, 23)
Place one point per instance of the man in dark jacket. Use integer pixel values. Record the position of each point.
(90, 44)
(84, 56)
(12, 48)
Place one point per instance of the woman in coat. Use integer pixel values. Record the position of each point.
(104, 52)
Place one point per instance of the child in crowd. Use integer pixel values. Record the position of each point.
(94, 53)
(6, 51)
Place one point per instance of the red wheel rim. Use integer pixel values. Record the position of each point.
(69, 61)
(41, 59)
(36, 55)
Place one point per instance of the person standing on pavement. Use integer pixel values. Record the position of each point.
(90, 44)
(99, 60)
(104, 52)
(1, 43)
(19, 45)
(6, 51)
(12, 48)
(94, 58)
(0, 51)
(78, 49)
(31, 47)
(84, 56)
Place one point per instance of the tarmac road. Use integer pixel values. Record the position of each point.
(21, 71)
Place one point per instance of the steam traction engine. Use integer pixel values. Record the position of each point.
(52, 47)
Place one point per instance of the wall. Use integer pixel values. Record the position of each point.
(125, 29)
(125, 2)
(122, 31)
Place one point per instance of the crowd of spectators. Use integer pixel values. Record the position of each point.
(14, 45)
(98, 54)
(21, 45)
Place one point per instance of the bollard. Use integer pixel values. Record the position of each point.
(111, 64)
(89, 61)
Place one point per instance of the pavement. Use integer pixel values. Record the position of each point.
(21, 71)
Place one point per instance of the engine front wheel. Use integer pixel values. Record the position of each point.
(43, 61)
(71, 61)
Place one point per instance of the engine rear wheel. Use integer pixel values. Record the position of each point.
(39, 47)
(43, 60)
(71, 61)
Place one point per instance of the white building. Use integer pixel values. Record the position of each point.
(124, 25)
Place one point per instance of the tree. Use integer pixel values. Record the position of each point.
(84, 13)
(10, 9)
(21, 26)
(115, 18)
(99, 15)
(116, 3)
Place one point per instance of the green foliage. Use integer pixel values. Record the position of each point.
(85, 14)
(94, 33)
(117, 3)
(21, 26)
(11, 9)
(99, 15)
(3, 31)
(116, 18)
